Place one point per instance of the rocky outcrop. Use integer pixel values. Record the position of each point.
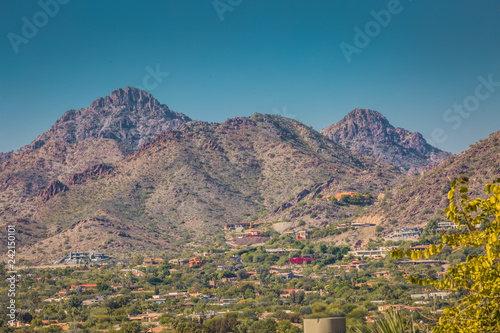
(369, 132)
(212, 145)
(96, 171)
(53, 189)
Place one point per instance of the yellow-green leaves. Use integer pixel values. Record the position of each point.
(477, 279)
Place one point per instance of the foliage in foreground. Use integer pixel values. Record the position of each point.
(478, 279)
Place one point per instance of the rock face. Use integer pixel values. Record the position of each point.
(96, 171)
(53, 189)
(130, 116)
(369, 132)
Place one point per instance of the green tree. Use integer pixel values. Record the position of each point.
(75, 302)
(477, 279)
(131, 327)
(264, 326)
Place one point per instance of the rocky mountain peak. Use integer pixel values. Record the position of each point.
(130, 97)
(360, 115)
(130, 116)
(369, 132)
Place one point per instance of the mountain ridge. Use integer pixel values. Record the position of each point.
(369, 132)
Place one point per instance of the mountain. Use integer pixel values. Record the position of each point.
(179, 188)
(369, 132)
(129, 116)
(416, 201)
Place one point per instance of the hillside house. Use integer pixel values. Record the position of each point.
(405, 233)
(83, 257)
(302, 234)
(215, 283)
(378, 253)
(243, 225)
(178, 295)
(395, 307)
(362, 225)
(382, 274)
(226, 268)
(196, 262)
(146, 317)
(153, 261)
(445, 226)
(422, 261)
(280, 250)
(157, 300)
(84, 286)
(353, 264)
(438, 295)
(180, 261)
(93, 300)
(135, 272)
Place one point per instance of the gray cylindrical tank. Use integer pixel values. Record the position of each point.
(325, 325)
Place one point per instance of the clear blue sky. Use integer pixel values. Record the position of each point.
(256, 56)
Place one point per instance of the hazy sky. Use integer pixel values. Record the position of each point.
(428, 66)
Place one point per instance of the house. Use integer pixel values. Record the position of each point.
(17, 324)
(142, 291)
(413, 308)
(362, 225)
(422, 261)
(148, 316)
(285, 293)
(93, 300)
(302, 234)
(214, 283)
(136, 272)
(395, 307)
(179, 261)
(301, 260)
(153, 261)
(382, 274)
(50, 300)
(405, 233)
(63, 292)
(379, 253)
(444, 226)
(280, 250)
(226, 268)
(84, 286)
(157, 300)
(196, 262)
(83, 257)
(354, 264)
(243, 225)
(178, 294)
(419, 247)
(439, 295)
